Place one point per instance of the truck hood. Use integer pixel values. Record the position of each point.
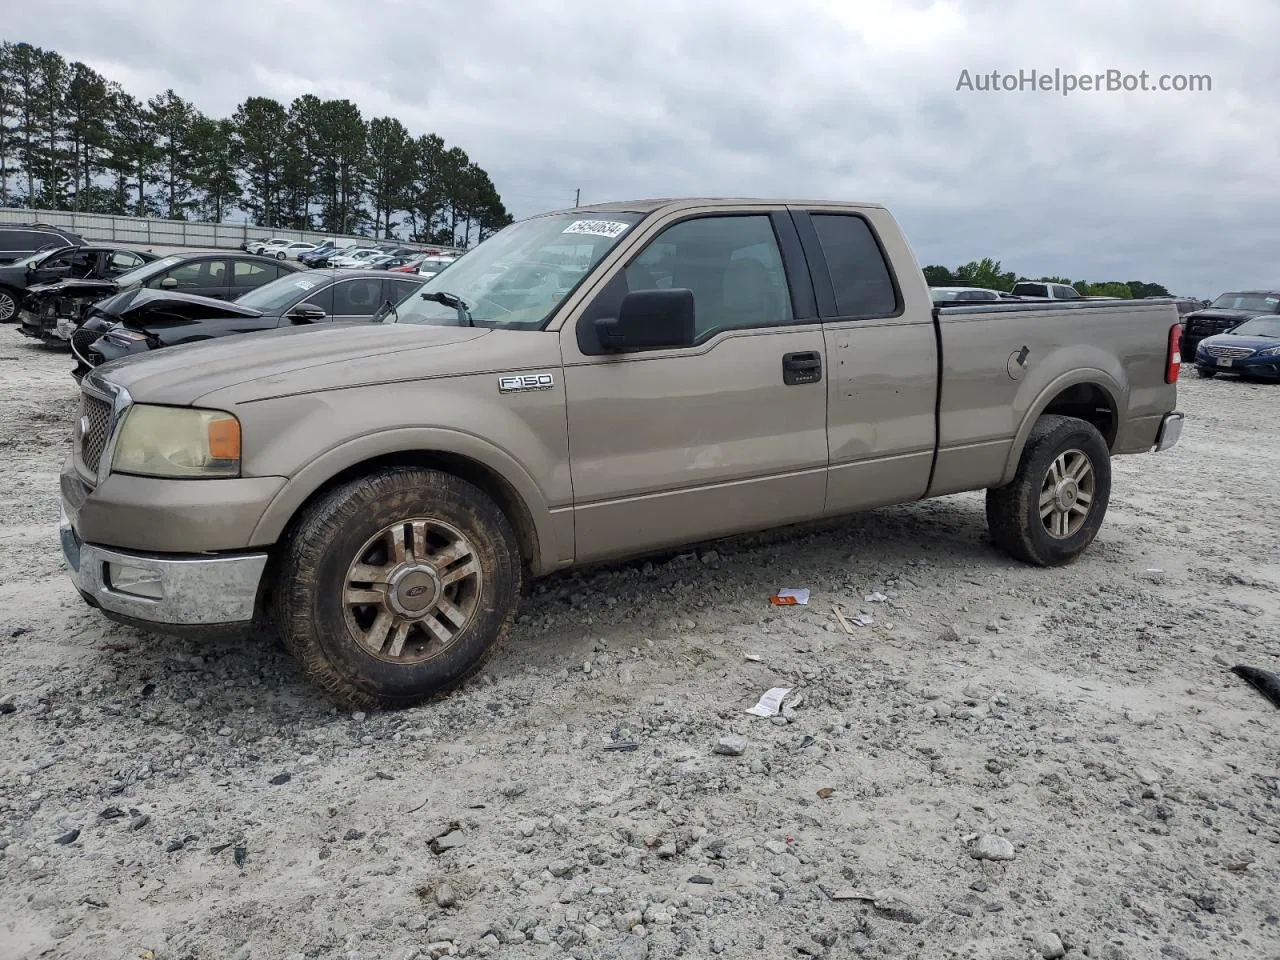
(1216, 314)
(260, 364)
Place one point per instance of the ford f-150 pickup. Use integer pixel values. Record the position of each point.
(585, 386)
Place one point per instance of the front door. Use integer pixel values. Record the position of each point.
(675, 445)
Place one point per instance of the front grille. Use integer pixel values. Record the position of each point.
(1234, 353)
(94, 438)
(82, 338)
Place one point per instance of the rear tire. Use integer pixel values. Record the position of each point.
(1052, 510)
(395, 588)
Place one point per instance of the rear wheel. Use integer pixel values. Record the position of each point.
(1051, 511)
(396, 587)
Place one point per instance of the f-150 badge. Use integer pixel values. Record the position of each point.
(528, 381)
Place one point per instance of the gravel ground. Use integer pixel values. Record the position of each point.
(1005, 763)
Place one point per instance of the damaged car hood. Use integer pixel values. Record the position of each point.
(76, 288)
(144, 307)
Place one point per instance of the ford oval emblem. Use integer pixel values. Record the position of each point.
(414, 592)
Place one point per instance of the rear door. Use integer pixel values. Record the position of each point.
(116, 262)
(203, 278)
(882, 355)
(248, 275)
(676, 445)
(357, 298)
(396, 289)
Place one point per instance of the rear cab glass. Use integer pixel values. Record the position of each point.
(861, 277)
(1030, 290)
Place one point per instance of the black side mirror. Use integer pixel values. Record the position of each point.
(306, 313)
(649, 320)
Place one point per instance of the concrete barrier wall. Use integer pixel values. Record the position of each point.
(171, 233)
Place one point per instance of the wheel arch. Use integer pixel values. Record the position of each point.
(465, 457)
(1090, 395)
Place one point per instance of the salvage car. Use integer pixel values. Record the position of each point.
(219, 274)
(584, 386)
(1227, 311)
(143, 320)
(60, 263)
(1251, 349)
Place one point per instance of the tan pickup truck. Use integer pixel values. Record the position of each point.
(584, 386)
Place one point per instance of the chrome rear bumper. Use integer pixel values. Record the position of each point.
(163, 590)
(1170, 431)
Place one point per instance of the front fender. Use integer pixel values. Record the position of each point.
(410, 440)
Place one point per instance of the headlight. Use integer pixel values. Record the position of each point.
(120, 333)
(178, 442)
(1269, 352)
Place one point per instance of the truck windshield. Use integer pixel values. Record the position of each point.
(1259, 327)
(518, 277)
(1246, 301)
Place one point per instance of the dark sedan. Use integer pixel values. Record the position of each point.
(222, 275)
(142, 320)
(1252, 350)
(1225, 312)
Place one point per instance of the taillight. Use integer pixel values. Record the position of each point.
(1174, 366)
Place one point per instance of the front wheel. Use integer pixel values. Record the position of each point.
(1208, 373)
(1051, 511)
(396, 587)
(8, 306)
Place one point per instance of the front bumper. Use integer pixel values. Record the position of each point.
(1268, 367)
(1170, 430)
(45, 327)
(180, 591)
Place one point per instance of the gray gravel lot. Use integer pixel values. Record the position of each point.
(1006, 763)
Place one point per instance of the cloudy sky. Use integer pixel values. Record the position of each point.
(822, 98)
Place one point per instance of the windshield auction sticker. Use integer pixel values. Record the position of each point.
(598, 228)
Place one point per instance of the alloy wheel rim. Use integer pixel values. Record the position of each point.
(1067, 494)
(8, 306)
(412, 590)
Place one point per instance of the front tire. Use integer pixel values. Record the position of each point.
(8, 306)
(1052, 510)
(396, 587)
(1207, 373)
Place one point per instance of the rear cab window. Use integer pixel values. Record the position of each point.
(861, 278)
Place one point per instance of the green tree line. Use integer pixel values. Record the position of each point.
(70, 139)
(990, 274)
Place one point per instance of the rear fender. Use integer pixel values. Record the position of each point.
(1108, 376)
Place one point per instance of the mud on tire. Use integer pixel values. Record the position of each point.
(1051, 511)
(396, 587)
